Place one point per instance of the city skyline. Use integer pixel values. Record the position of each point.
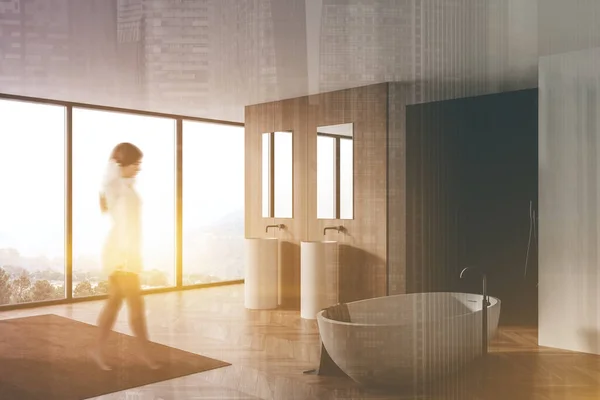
(210, 58)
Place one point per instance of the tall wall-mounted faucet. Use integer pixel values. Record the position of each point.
(335, 228)
(279, 226)
(484, 305)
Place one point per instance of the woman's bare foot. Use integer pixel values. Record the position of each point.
(96, 355)
(149, 361)
(143, 353)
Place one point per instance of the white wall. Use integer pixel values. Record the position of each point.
(569, 201)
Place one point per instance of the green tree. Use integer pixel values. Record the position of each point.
(48, 275)
(102, 288)
(59, 292)
(155, 278)
(42, 290)
(5, 287)
(21, 288)
(83, 289)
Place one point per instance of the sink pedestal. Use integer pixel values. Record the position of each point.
(318, 277)
(261, 280)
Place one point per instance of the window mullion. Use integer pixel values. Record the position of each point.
(69, 203)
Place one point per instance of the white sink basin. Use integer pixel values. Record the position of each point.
(318, 276)
(261, 275)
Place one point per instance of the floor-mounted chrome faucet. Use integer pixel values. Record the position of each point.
(279, 226)
(484, 306)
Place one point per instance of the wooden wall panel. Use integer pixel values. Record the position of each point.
(400, 95)
(269, 117)
(363, 246)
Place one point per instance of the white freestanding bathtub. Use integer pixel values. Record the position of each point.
(407, 339)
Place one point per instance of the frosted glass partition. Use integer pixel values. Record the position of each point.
(335, 172)
(569, 201)
(277, 175)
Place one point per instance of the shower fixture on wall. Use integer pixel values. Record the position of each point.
(532, 231)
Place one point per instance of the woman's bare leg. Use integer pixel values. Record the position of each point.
(137, 319)
(106, 319)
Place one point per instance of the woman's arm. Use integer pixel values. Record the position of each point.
(103, 206)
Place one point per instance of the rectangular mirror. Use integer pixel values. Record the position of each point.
(335, 172)
(266, 175)
(277, 175)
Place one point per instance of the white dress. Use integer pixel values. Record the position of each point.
(122, 248)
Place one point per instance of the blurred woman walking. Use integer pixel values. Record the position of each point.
(121, 255)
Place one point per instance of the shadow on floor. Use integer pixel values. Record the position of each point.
(356, 276)
(592, 339)
(503, 376)
(289, 275)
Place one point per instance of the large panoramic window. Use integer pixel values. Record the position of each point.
(95, 133)
(32, 202)
(213, 202)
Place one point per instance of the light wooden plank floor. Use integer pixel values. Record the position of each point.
(269, 350)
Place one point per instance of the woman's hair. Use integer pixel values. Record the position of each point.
(126, 154)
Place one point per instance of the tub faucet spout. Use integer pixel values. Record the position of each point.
(484, 305)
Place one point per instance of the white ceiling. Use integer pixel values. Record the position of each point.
(210, 58)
